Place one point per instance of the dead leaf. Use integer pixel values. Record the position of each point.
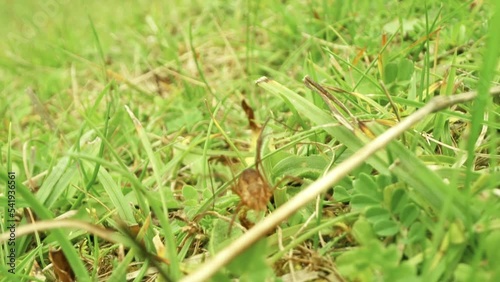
(253, 190)
(62, 269)
(160, 249)
(250, 116)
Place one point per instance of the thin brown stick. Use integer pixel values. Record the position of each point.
(105, 234)
(236, 211)
(307, 195)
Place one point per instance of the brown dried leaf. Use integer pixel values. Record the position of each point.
(252, 187)
(250, 116)
(366, 130)
(253, 190)
(134, 230)
(62, 269)
(160, 249)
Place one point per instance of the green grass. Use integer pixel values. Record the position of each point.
(135, 121)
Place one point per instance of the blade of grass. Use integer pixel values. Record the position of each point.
(93, 177)
(318, 116)
(324, 224)
(162, 214)
(99, 47)
(223, 132)
(197, 63)
(54, 176)
(122, 169)
(44, 213)
(482, 105)
(116, 196)
(483, 101)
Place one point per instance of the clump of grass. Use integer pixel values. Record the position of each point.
(133, 131)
